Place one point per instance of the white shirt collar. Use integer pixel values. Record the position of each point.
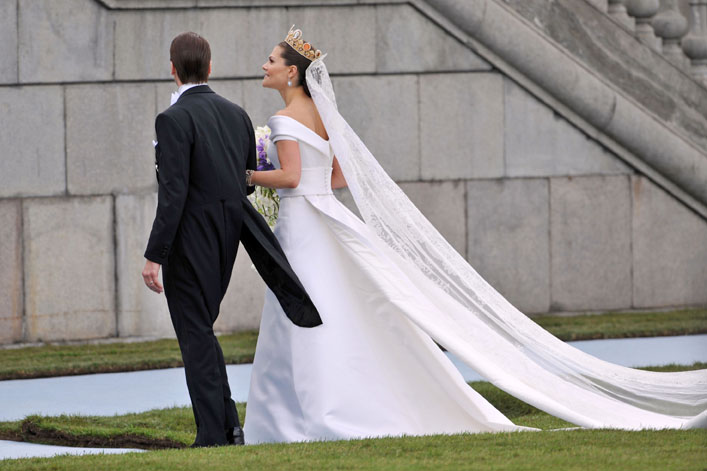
(183, 88)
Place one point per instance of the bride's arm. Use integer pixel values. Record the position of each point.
(288, 175)
(337, 176)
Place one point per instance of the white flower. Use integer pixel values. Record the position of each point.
(265, 200)
(262, 132)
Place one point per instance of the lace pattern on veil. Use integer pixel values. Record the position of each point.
(526, 360)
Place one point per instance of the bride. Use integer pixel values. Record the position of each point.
(389, 287)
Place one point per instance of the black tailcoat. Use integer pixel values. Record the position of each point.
(205, 144)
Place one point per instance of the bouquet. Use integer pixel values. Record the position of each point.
(263, 199)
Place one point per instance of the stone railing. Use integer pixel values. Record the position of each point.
(576, 56)
(675, 28)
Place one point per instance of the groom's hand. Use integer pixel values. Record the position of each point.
(151, 276)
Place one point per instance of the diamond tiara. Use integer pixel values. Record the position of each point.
(294, 39)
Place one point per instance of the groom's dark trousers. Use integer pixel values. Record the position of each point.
(205, 144)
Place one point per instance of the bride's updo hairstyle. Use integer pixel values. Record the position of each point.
(296, 51)
(293, 57)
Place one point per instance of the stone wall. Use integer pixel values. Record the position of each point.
(549, 216)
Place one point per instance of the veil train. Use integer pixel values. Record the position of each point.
(483, 329)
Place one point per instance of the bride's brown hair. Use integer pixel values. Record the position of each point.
(293, 57)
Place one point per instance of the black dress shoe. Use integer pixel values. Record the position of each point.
(234, 436)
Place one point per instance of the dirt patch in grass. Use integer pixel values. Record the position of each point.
(11, 435)
(33, 432)
(59, 371)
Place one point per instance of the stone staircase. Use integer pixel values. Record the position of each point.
(601, 65)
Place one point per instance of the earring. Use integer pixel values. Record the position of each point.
(289, 83)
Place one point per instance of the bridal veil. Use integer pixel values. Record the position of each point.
(483, 329)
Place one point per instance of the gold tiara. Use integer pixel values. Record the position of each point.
(294, 39)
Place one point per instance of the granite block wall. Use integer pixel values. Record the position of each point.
(552, 218)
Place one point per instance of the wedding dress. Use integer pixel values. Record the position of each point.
(368, 370)
(389, 287)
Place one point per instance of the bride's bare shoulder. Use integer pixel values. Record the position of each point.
(307, 116)
(303, 110)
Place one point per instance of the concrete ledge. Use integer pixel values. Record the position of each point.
(508, 238)
(539, 142)
(384, 112)
(461, 126)
(142, 42)
(590, 227)
(406, 41)
(260, 103)
(140, 311)
(69, 271)
(32, 141)
(8, 42)
(444, 204)
(10, 271)
(338, 29)
(669, 250)
(165, 4)
(109, 132)
(66, 41)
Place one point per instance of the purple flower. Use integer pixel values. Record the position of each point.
(266, 166)
(263, 163)
(261, 144)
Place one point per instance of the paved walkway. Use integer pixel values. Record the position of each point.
(106, 393)
(13, 450)
(121, 393)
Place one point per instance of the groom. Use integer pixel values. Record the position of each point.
(204, 145)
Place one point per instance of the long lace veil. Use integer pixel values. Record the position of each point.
(484, 330)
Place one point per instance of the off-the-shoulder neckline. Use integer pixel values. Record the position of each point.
(301, 124)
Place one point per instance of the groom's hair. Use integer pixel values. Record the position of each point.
(191, 56)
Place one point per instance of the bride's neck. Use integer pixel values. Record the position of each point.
(292, 94)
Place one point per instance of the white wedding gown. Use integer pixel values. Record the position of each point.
(368, 370)
(385, 287)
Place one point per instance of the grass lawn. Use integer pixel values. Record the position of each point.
(617, 325)
(60, 360)
(57, 360)
(173, 428)
(596, 450)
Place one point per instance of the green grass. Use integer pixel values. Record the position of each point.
(155, 429)
(563, 450)
(673, 367)
(58, 360)
(174, 428)
(622, 325)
